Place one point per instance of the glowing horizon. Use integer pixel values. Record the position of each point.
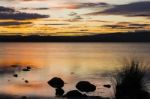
(68, 17)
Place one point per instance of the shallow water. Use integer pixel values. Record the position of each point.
(71, 61)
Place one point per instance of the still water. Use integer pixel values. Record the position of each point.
(70, 61)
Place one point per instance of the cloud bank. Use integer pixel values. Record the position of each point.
(141, 9)
(13, 23)
(10, 13)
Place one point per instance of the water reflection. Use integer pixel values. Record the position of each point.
(70, 61)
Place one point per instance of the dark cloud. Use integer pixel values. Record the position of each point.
(75, 17)
(4, 9)
(73, 14)
(9, 13)
(126, 25)
(116, 26)
(21, 16)
(13, 23)
(139, 25)
(56, 24)
(35, 8)
(80, 32)
(88, 5)
(132, 9)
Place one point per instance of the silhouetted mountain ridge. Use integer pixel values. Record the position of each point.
(143, 36)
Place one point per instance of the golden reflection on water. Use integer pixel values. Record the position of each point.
(70, 61)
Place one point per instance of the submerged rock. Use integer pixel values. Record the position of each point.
(26, 81)
(14, 66)
(26, 69)
(107, 86)
(15, 75)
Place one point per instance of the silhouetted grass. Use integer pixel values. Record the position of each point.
(130, 81)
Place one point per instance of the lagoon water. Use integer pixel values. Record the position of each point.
(72, 62)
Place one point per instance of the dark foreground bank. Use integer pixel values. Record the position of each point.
(4, 96)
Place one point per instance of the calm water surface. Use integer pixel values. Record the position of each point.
(71, 61)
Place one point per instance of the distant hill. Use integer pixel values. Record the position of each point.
(112, 37)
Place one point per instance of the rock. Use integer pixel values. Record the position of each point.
(85, 86)
(24, 97)
(59, 92)
(27, 69)
(107, 86)
(15, 75)
(26, 81)
(74, 94)
(14, 66)
(56, 82)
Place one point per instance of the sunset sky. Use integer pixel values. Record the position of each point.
(73, 17)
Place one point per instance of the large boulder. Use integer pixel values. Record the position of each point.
(56, 82)
(59, 92)
(74, 94)
(85, 86)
